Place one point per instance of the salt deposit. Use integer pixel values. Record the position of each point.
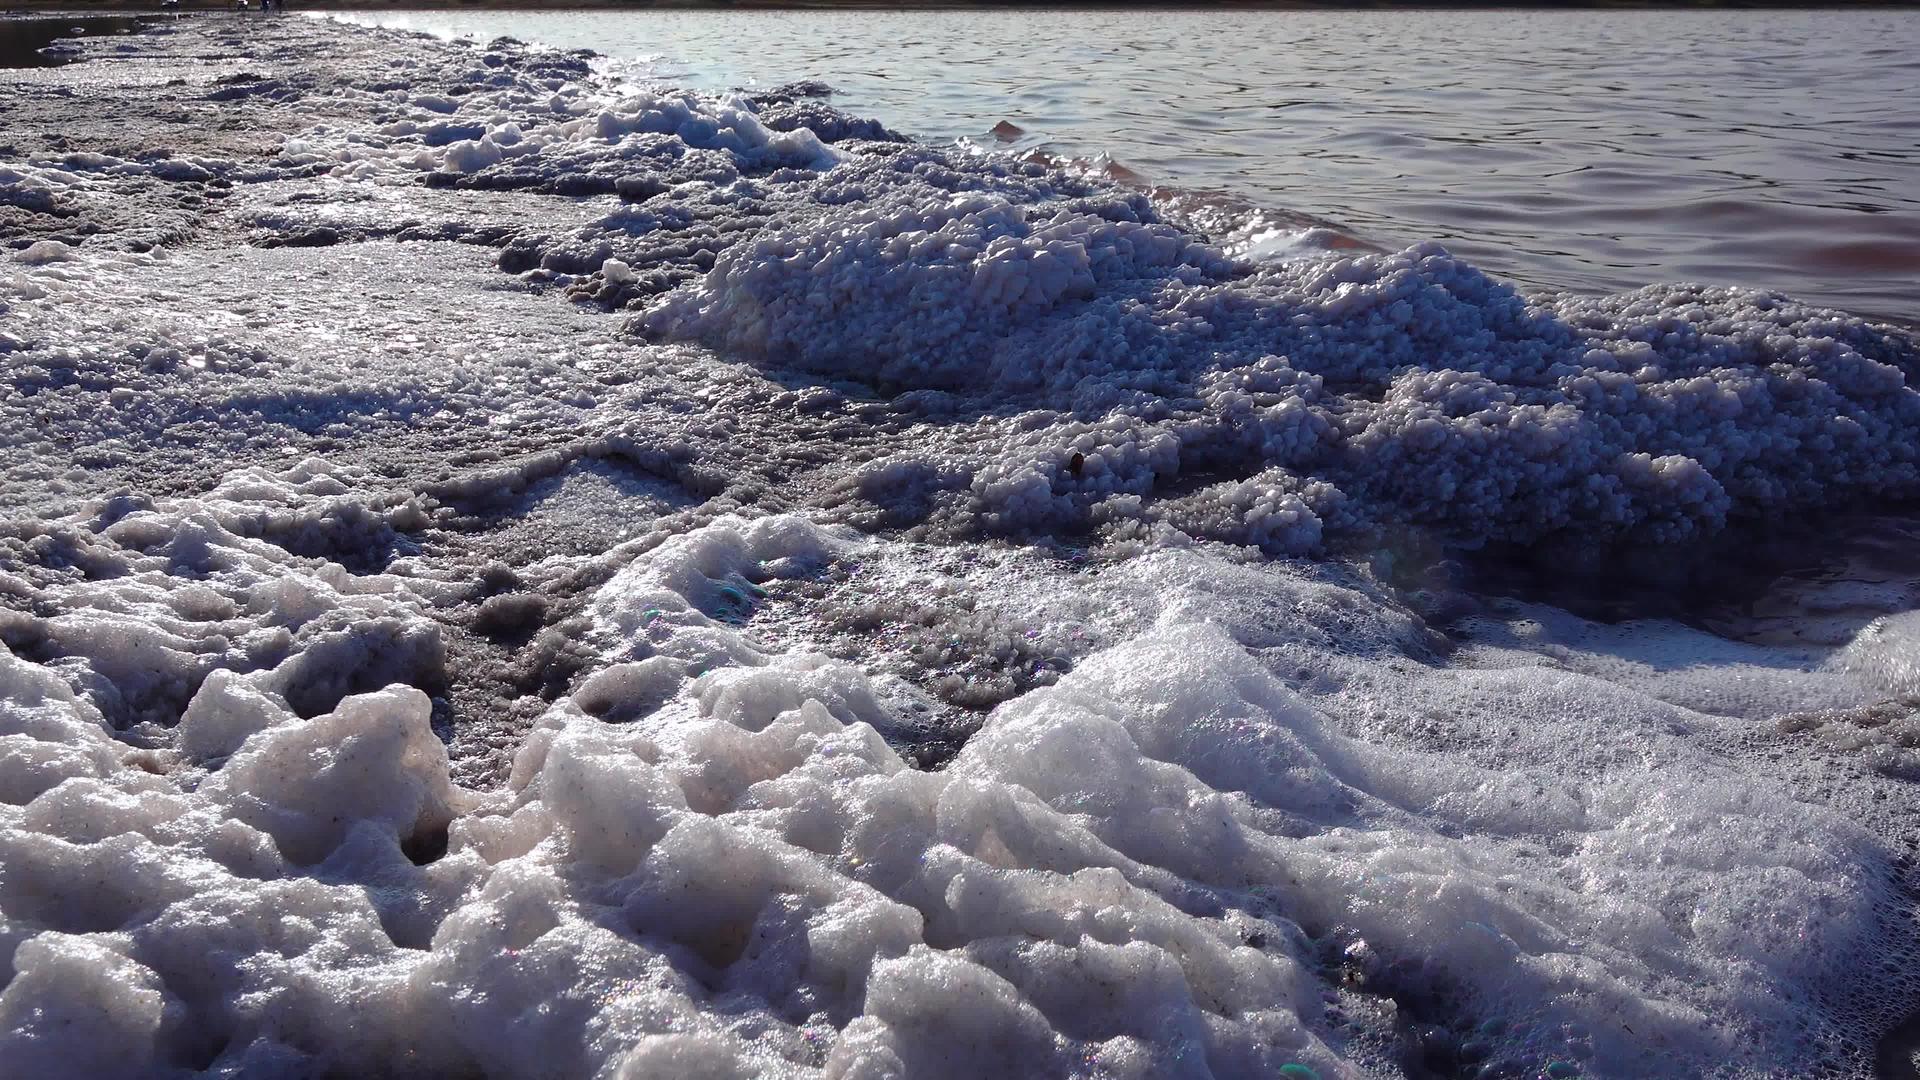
(859, 635)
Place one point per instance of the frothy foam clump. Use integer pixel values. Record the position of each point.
(1887, 652)
(1379, 388)
(709, 861)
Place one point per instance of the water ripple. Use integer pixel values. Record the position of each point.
(1589, 150)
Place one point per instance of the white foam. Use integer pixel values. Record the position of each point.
(1223, 814)
(1142, 865)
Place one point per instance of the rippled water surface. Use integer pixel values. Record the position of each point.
(1590, 150)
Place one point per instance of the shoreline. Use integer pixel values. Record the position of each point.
(503, 575)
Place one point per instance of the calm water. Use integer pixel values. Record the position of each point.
(1588, 150)
(24, 41)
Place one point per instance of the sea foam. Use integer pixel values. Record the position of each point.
(915, 678)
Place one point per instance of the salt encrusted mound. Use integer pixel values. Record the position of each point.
(1402, 387)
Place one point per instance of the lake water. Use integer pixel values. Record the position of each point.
(24, 42)
(1585, 150)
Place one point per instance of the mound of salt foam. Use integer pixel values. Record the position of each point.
(1277, 814)
(1286, 406)
(1133, 871)
(935, 293)
(1887, 652)
(141, 603)
(1462, 403)
(44, 252)
(1168, 859)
